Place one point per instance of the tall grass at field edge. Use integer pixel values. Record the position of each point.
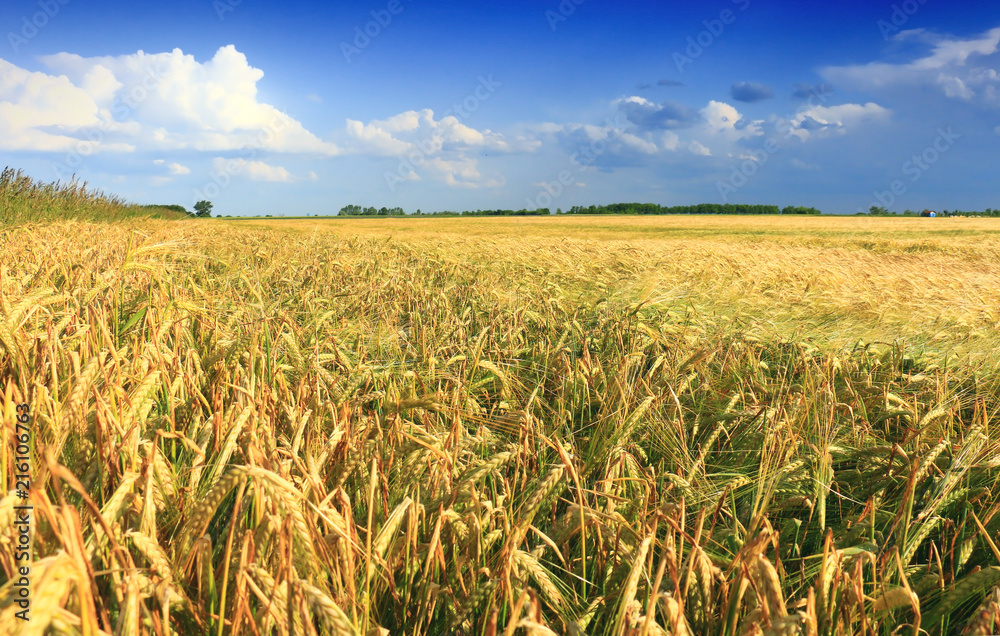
(26, 200)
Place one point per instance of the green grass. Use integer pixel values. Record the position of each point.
(26, 200)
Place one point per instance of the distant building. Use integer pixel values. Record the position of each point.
(930, 213)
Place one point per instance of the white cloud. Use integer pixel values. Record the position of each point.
(375, 140)
(418, 131)
(720, 115)
(253, 170)
(640, 145)
(462, 173)
(957, 52)
(615, 143)
(718, 125)
(648, 116)
(723, 120)
(173, 168)
(145, 101)
(41, 112)
(698, 149)
(670, 140)
(443, 147)
(818, 120)
(960, 68)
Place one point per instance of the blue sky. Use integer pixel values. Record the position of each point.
(300, 107)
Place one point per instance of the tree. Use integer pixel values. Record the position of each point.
(203, 208)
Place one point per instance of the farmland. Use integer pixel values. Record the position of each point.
(628, 425)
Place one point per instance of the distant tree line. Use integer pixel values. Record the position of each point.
(535, 212)
(204, 208)
(614, 208)
(357, 210)
(798, 209)
(878, 210)
(702, 208)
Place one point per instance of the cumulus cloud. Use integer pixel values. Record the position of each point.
(253, 170)
(141, 101)
(715, 131)
(40, 111)
(638, 144)
(698, 149)
(723, 117)
(442, 147)
(647, 115)
(418, 131)
(834, 119)
(462, 173)
(724, 125)
(959, 68)
(172, 168)
(751, 92)
(375, 139)
(643, 131)
(615, 143)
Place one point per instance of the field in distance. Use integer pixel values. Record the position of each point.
(835, 279)
(601, 425)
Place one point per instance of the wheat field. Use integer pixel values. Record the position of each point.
(580, 425)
